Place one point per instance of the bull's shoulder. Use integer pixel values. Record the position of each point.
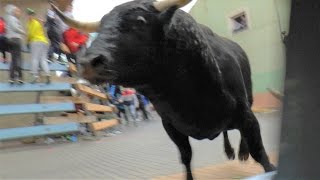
(183, 27)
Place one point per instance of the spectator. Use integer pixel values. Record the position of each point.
(14, 33)
(54, 33)
(39, 46)
(130, 102)
(73, 39)
(3, 40)
(143, 102)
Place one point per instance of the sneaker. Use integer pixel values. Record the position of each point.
(11, 81)
(61, 61)
(48, 80)
(49, 60)
(20, 81)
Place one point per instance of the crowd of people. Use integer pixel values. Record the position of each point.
(129, 103)
(43, 38)
(47, 40)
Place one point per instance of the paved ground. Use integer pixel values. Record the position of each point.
(143, 152)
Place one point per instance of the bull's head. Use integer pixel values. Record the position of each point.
(128, 41)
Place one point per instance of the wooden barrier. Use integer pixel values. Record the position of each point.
(97, 108)
(97, 126)
(72, 68)
(90, 91)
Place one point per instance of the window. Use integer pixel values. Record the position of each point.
(239, 22)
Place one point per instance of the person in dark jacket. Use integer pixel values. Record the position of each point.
(54, 33)
(143, 102)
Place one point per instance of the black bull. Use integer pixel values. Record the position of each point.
(199, 82)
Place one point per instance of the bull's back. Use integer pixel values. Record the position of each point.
(229, 53)
(229, 57)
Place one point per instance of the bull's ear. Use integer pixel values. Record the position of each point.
(166, 16)
(97, 61)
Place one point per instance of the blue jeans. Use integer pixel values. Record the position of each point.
(130, 109)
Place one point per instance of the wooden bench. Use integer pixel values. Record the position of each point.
(6, 87)
(24, 132)
(70, 80)
(67, 119)
(27, 67)
(59, 99)
(35, 108)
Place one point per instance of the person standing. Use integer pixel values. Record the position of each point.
(39, 46)
(14, 34)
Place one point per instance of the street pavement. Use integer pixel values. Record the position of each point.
(140, 152)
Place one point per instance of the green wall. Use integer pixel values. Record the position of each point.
(262, 41)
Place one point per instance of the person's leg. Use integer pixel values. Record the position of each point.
(13, 61)
(50, 52)
(133, 111)
(2, 48)
(19, 61)
(15, 46)
(43, 61)
(3, 55)
(126, 112)
(35, 58)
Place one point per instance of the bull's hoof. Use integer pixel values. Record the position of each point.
(189, 176)
(230, 154)
(243, 155)
(270, 168)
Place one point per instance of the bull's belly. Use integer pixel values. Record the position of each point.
(199, 132)
(208, 135)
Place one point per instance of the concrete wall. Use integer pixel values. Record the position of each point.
(40, 6)
(261, 41)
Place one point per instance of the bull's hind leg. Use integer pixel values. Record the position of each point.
(183, 144)
(227, 146)
(250, 129)
(243, 154)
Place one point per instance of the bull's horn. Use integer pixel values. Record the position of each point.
(276, 94)
(87, 27)
(162, 5)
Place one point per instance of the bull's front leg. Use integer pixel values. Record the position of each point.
(183, 144)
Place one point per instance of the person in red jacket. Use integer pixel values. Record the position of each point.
(3, 39)
(74, 39)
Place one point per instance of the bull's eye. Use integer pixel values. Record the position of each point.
(141, 19)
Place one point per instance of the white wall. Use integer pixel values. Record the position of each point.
(93, 10)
